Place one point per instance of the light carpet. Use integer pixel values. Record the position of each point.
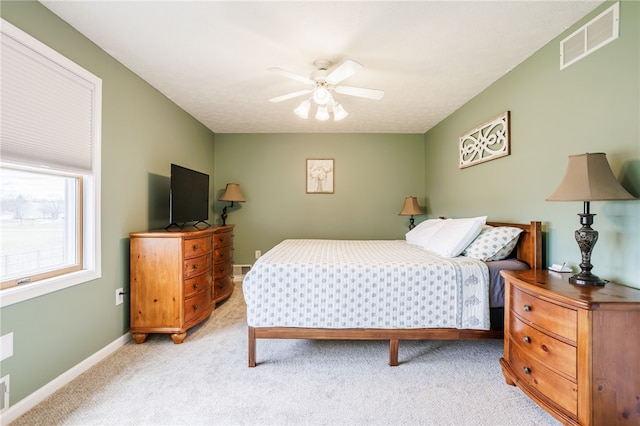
(206, 381)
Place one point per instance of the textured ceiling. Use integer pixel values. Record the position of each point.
(211, 57)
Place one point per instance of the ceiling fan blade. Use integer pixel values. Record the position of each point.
(290, 95)
(291, 75)
(361, 92)
(343, 71)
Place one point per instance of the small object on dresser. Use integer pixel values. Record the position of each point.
(556, 267)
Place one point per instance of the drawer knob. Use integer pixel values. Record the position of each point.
(526, 370)
(196, 246)
(195, 307)
(527, 308)
(195, 266)
(195, 286)
(222, 269)
(527, 339)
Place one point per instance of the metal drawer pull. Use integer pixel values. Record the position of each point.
(195, 307)
(195, 266)
(222, 269)
(527, 339)
(195, 286)
(196, 247)
(527, 308)
(526, 370)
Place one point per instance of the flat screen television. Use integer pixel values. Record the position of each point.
(189, 196)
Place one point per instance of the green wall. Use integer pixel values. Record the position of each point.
(591, 106)
(142, 133)
(373, 175)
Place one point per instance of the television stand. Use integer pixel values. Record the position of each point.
(195, 225)
(184, 225)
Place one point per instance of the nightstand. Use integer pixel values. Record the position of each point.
(574, 350)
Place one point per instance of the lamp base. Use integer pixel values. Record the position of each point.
(584, 278)
(586, 237)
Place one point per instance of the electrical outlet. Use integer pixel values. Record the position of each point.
(258, 254)
(119, 296)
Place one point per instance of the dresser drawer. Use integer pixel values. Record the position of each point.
(223, 254)
(197, 306)
(197, 265)
(223, 239)
(562, 391)
(222, 269)
(196, 284)
(552, 352)
(222, 283)
(549, 316)
(196, 246)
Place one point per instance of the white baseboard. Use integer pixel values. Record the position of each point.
(27, 403)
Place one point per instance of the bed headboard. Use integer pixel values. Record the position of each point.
(529, 248)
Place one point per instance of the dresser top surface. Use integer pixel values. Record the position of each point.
(182, 232)
(558, 285)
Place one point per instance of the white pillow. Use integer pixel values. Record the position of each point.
(493, 243)
(454, 235)
(423, 231)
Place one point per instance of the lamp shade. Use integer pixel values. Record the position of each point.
(232, 193)
(589, 178)
(410, 207)
(303, 109)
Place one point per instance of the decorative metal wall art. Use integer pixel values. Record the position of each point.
(486, 142)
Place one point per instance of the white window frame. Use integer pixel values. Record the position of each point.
(91, 186)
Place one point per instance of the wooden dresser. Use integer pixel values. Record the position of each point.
(223, 263)
(574, 350)
(172, 279)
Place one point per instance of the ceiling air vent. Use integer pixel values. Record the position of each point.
(596, 33)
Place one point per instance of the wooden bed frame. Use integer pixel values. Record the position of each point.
(529, 250)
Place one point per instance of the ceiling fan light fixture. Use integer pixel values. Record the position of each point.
(339, 112)
(321, 96)
(323, 113)
(303, 109)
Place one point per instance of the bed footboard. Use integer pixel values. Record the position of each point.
(392, 335)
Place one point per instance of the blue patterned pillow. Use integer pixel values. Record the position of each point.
(493, 243)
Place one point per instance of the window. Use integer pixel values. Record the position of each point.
(41, 226)
(50, 170)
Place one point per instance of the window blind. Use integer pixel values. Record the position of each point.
(47, 108)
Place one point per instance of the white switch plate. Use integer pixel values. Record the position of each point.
(6, 346)
(119, 296)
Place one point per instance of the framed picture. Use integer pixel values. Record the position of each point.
(320, 175)
(486, 142)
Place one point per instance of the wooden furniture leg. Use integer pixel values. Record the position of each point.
(252, 347)
(139, 337)
(393, 352)
(178, 337)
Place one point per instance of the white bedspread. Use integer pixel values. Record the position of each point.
(365, 284)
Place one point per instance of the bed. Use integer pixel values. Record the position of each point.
(386, 289)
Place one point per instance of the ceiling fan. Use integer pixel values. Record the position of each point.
(323, 82)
